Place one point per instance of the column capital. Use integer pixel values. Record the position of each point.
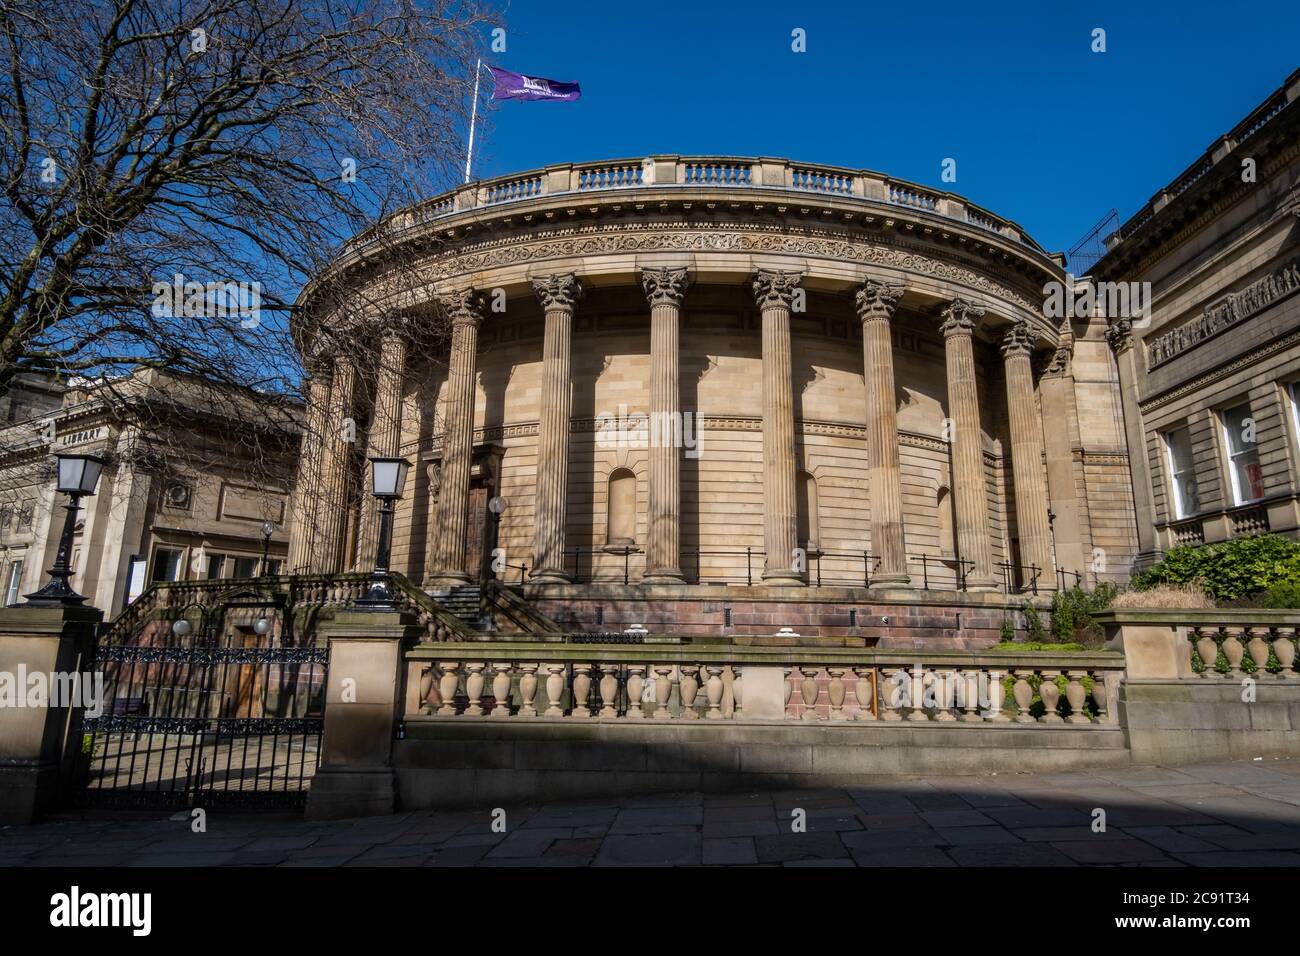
(1059, 363)
(960, 318)
(464, 307)
(561, 291)
(665, 285)
(1017, 340)
(775, 287)
(878, 300)
(1119, 333)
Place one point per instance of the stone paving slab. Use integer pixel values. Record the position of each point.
(1237, 814)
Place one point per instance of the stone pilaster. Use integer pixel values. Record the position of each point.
(1034, 530)
(308, 487)
(664, 288)
(968, 485)
(559, 296)
(385, 438)
(876, 303)
(1119, 333)
(1064, 471)
(774, 293)
(337, 442)
(466, 312)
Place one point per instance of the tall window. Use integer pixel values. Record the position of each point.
(621, 529)
(246, 567)
(14, 583)
(1182, 476)
(1243, 454)
(166, 565)
(947, 539)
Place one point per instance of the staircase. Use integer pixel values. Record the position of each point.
(465, 603)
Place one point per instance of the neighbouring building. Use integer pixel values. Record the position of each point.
(715, 396)
(1210, 372)
(184, 495)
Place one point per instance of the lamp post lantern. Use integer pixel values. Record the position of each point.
(388, 478)
(78, 476)
(268, 529)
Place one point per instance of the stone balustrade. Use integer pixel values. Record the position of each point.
(721, 172)
(674, 682)
(1234, 650)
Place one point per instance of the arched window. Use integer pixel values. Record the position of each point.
(620, 525)
(943, 506)
(806, 502)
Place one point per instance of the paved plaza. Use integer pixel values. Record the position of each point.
(1237, 814)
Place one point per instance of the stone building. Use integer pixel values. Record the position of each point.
(181, 497)
(1209, 370)
(715, 395)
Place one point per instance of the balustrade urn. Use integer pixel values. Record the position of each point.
(1208, 649)
(789, 686)
(426, 688)
(835, 690)
(555, 690)
(893, 696)
(997, 710)
(1099, 698)
(713, 691)
(1284, 649)
(581, 690)
(945, 695)
(663, 690)
(1051, 695)
(808, 690)
(501, 690)
(1075, 695)
(916, 695)
(1233, 649)
(970, 702)
(635, 687)
(864, 691)
(1023, 693)
(737, 692)
(608, 690)
(1257, 647)
(474, 689)
(447, 688)
(527, 690)
(688, 687)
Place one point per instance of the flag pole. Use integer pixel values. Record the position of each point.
(473, 118)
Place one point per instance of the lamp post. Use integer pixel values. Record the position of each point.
(388, 477)
(268, 529)
(78, 475)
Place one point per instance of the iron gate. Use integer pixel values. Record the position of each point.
(205, 719)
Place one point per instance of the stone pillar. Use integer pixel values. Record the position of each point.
(308, 487)
(364, 701)
(665, 289)
(1035, 531)
(876, 303)
(774, 293)
(1070, 529)
(466, 312)
(385, 438)
(40, 746)
(969, 489)
(559, 295)
(337, 442)
(1119, 333)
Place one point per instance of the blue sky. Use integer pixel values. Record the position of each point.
(1044, 131)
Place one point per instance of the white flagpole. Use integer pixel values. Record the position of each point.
(473, 119)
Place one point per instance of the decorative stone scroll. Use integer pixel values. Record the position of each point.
(1228, 311)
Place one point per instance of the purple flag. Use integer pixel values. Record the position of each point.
(516, 86)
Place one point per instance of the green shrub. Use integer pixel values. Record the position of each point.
(1033, 624)
(1072, 612)
(1008, 631)
(1229, 570)
(1284, 594)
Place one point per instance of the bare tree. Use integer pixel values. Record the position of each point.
(229, 144)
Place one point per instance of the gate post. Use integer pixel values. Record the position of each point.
(363, 703)
(40, 731)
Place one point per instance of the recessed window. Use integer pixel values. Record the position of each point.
(216, 564)
(621, 530)
(246, 567)
(14, 583)
(1182, 474)
(1243, 454)
(166, 565)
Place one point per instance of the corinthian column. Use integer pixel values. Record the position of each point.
(385, 436)
(973, 539)
(466, 312)
(308, 487)
(559, 295)
(876, 303)
(1119, 333)
(774, 292)
(338, 441)
(665, 289)
(1027, 454)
